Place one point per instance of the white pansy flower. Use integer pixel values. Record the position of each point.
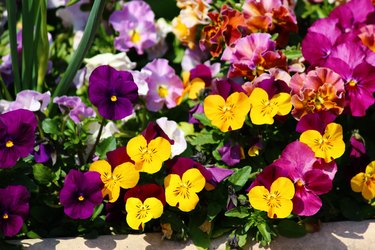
(174, 133)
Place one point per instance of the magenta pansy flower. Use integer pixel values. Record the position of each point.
(113, 92)
(14, 208)
(81, 193)
(136, 27)
(298, 160)
(165, 87)
(17, 136)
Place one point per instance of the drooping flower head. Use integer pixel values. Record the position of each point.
(123, 176)
(136, 26)
(298, 160)
(227, 114)
(81, 193)
(263, 108)
(329, 145)
(320, 89)
(182, 191)
(76, 108)
(231, 153)
(148, 156)
(112, 92)
(365, 182)
(276, 201)
(17, 136)
(143, 203)
(165, 87)
(14, 208)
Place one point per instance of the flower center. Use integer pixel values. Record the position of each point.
(9, 144)
(300, 183)
(227, 112)
(135, 37)
(5, 216)
(352, 83)
(162, 91)
(273, 199)
(113, 98)
(81, 198)
(183, 190)
(147, 154)
(142, 211)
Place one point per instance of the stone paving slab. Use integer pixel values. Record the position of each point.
(333, 236)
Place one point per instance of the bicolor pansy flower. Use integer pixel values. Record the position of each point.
(365, 182)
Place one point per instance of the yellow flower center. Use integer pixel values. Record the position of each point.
(147, 154)
(227, 112)
(9, 144)
(268, 107)
(81, 198)
(300, 183)
(352, 83)
(142, 211)
(162, 91)
(183, 190)
(113, 98)
(5, 216)
(135, 36)
(273, 199)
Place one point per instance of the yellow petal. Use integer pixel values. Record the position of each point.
(258, 97)
(133, 219)
(284, 186)
(197, 85)
(126, 175)
(259, 117)
(161, 148)
(282, 101)
(133, 147)
(282, 211)
(241, 106)
(212, 109)
(262, 110)
(171, 182)
(187, 205)
(103, 168)
(196, 179)
(370, 169)
(312, 139)
(258, 198)
(155, 206)
(112, 188)
(151, 167)
(333, 131)
(368, 191)
(357, 182)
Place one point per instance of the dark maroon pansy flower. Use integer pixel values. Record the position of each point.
(146, 191)
(203, 72)
(81, 193)
(118, 156)
(17, 136)
(316, 121)
(225, 87)
(14, 208)
(112, 92)
(153, 130)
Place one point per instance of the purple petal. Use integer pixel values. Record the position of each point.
(11, 226)
(305, 203)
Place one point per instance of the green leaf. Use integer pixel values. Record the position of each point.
(42, 174)
(291, 229)
(203, 119)
(97, 211)
(265, 232)
(50, 126)
(242, 239)
(42, 45)
(32, 235)
(105, 146)
(240, 177)
(238, 212)
(203, 138)
(199, 238)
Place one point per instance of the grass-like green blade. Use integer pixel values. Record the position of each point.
(12, 20)
(27, 43)
(88, 36)
(42, 45)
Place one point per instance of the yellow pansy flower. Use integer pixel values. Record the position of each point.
(328, 146)
(365, 182)
(123, 176)
(276, 202)
(138, 212)
(229, 114)
(148, 157)
(263, 109)
(182, 192)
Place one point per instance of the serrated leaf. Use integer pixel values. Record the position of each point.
(265, 232)
(238, 212)
(291, 229)
(240, 177)
(203, 119)
(203, 138)
(49, 126)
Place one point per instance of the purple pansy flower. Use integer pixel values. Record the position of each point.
(112, 92)
(81, 193)
(231, 153)
(17, 136)
(298, 160)
(164, 85)
(14, 208)
(76, 108)
(136, 26)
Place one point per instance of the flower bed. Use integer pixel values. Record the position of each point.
(195, 119)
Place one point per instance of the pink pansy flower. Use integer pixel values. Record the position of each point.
(136, 27)
(165, 87)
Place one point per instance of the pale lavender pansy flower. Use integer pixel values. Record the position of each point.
(140, 80)
(161, 47)
(75, 107)
(164, 85)
(136, 27)
(27, 99)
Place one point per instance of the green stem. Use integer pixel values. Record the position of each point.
(12, 20)
(88, 36)
(96, 141)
